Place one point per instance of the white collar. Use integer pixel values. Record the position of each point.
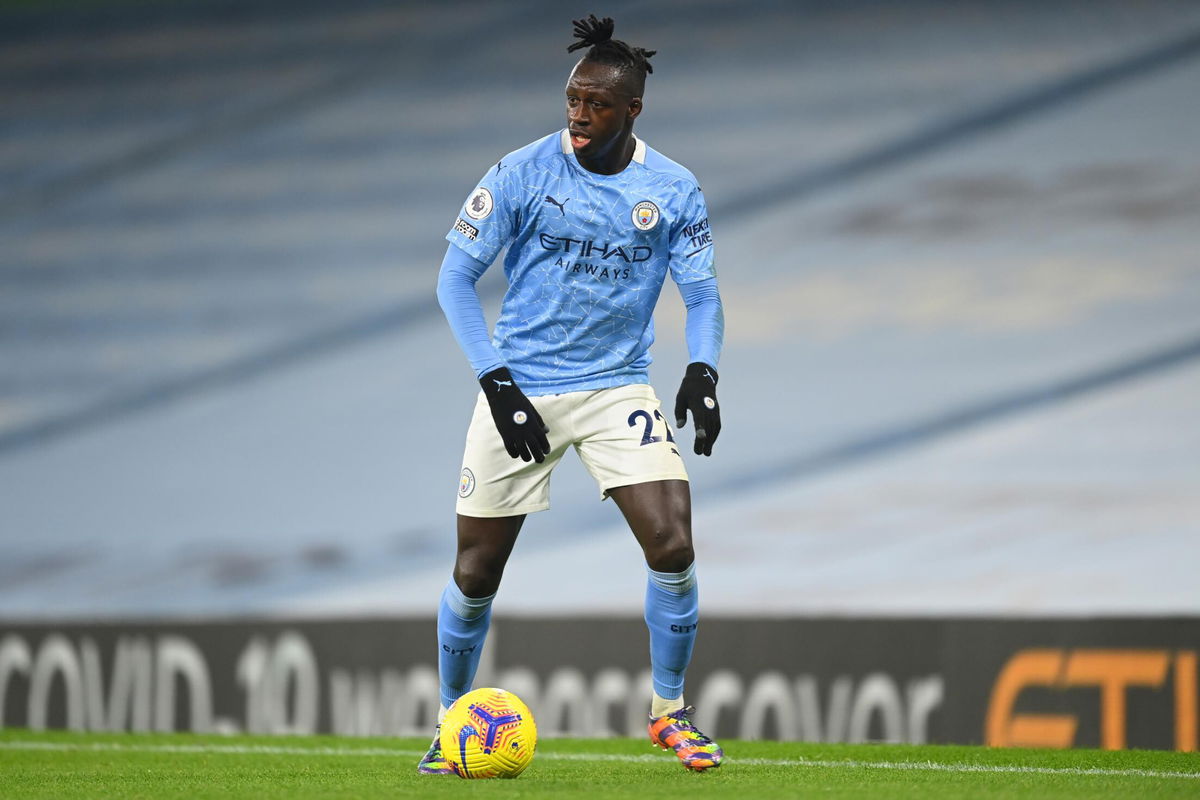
(639, 147)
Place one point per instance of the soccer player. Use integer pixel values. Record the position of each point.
(594, 220)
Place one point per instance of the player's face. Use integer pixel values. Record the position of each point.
(600, 111)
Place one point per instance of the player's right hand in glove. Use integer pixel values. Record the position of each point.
(519, 423)
(698, 394)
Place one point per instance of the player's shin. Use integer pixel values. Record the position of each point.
(462, 627)
(671, 616)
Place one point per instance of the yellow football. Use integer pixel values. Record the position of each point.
(488, 733)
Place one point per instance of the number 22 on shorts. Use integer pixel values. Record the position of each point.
(648, 436)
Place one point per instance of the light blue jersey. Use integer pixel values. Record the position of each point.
(587, 257)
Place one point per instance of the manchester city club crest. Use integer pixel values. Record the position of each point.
(645, 215)
(466, 483)
(479, 204)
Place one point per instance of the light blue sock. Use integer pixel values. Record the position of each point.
(462, 626)
(671, 615)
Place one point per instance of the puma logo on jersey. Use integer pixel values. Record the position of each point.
(708, 375)
(502, 383)
(561, 206)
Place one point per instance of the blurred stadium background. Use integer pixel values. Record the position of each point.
(958, 251)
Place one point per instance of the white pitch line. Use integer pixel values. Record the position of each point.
(812, 763)
(233, 749)
(933, 766)
(927, 766)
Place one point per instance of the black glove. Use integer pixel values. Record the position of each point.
(519, 423)
(698, 394)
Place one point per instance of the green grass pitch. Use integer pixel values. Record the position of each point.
(68, 765)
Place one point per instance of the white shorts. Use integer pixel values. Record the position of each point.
(620, 433)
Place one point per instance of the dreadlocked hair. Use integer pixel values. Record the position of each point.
(596, 34)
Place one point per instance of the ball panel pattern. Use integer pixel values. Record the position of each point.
(489, 733)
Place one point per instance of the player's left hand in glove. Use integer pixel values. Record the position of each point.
(698, 394)
(519, 423)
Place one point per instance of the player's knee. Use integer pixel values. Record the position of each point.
(477, 576)
(671, 551)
